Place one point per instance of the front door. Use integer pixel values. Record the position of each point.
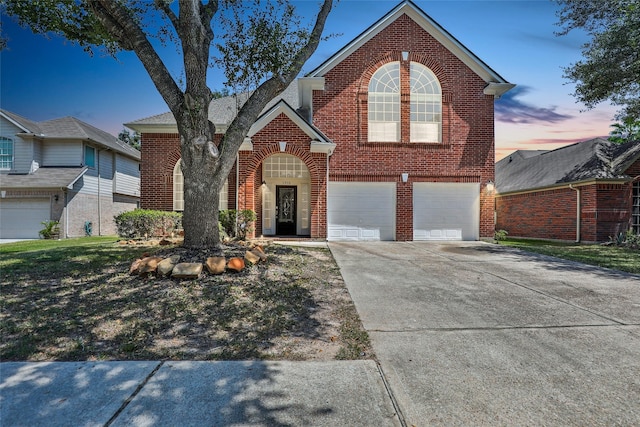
(285, 210)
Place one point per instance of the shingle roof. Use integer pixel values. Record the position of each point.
(70, 127)
(593, 159)
(222, 111)
(44, 177)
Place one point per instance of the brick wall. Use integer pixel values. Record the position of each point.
(466, 153)
(551, 214)
(547, 214)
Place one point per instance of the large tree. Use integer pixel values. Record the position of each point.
(261, 46)
(610, 69)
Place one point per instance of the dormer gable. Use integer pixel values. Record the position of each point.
(496, 84)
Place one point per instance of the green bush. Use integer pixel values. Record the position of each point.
(500, 235)
(147, 223)
(237, 223)
(51, 229)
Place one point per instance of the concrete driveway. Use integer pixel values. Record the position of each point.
(470, 333)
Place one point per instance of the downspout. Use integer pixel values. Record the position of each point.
(237, 189)
(577, 190)
(66, 213)
(99, 196)
(326, 198)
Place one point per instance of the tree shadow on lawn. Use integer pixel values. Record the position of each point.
(75, 310)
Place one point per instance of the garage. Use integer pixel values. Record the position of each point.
(446, 211)
(22, 218)
(361, 211)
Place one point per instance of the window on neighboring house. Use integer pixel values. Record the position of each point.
(426, 105)
(6, 153)
(384, 104)
(635, 209)
(89, 156)
(178, 191)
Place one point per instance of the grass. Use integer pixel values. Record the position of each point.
(74, 300)
(609, 256)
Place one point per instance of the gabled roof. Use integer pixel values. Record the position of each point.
(222, 111)
(44, 177)
(584, 161)
(70, 128)
(498, 84)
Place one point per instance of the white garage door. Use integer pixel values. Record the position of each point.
(361, 211)
(21, 218)
(446, 211)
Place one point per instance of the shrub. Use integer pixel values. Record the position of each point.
(51, 229)
(500, 235)
(147, 223)
(237, 223)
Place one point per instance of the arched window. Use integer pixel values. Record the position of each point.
(178, 190)
(426, 105)
(6, 153)
(384, 104)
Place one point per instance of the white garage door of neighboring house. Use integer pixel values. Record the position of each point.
(446, 211)
(361, 211)
(22, 218)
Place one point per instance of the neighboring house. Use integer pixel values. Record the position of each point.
(392, 138)
(586, 192)
(63, 170)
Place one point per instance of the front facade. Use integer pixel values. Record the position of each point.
(586, 192)
(63, 170)
(392, 138)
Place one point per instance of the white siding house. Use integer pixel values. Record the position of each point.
(63, 170)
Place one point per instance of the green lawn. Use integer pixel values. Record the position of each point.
(616, 257)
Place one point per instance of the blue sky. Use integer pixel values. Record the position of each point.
(43, 79)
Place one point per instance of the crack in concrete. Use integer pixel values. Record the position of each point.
(133, 395)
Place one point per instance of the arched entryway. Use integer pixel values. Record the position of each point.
(286, 196)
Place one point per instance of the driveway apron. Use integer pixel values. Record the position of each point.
(470, 333)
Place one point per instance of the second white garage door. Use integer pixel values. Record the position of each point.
(446, 211)
(22, 218)
(361, 211)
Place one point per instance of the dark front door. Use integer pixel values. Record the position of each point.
(285, 210)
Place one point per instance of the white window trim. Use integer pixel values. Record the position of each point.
(386, 103)
(12, 159)
(178, 190)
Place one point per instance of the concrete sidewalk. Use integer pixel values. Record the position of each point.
(194, 394)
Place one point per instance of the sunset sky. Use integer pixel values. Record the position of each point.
(43, 79)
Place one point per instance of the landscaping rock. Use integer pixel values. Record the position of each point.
(135, 267)
(165, 267)
(216, 264)
(251, 257)
(261, 254)
(149, 265)
(186, 270)
(235, 264)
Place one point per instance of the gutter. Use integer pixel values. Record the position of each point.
(577, 190)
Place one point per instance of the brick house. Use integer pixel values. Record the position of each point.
(586, 192)
(391, 138)
(63, 170)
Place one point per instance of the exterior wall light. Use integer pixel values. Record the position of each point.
(405, 177)
(405, 56)
(283, 145)
(490, 186)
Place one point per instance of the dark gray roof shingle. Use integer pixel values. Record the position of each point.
(72, 128)
(593, 159)
(44, 177)
(222, 111)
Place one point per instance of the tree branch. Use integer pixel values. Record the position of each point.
(118, 20)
